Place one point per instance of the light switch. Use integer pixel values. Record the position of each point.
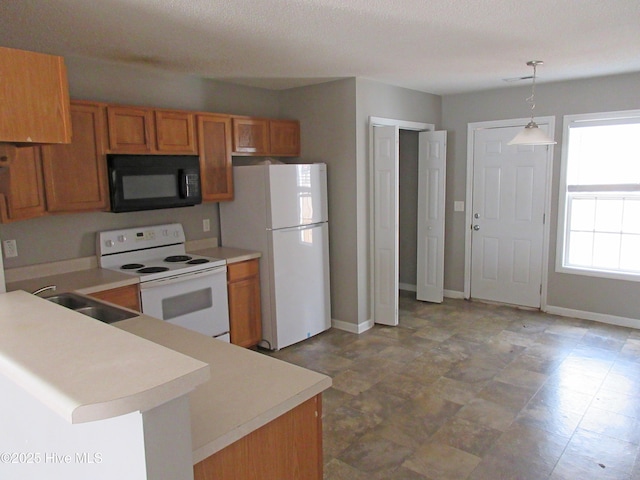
(458, 206)
(10, 248)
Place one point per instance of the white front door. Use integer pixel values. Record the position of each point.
(432, 155)
(386, 234)
(508, 206)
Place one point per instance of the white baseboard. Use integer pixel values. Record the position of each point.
(596, 317)
(352, 327)
(407, 287)
(454, 294)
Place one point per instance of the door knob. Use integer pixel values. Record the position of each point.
(476, 227)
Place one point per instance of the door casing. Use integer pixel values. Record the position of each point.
(402, 125)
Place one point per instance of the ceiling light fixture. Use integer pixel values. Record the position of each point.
(532, 135)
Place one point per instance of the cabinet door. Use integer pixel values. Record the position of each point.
(284, 137)
(75, 175)
(289, 447)
(22, 183)
(34, 103)
(216, 170)
(175, 132)
(130, 129)
(128, 296)
(250, 136)
(245, 324)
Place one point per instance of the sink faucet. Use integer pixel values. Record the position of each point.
(44, 289)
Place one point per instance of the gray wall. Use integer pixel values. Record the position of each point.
(408, 217)
(380, 100)
(91, 79)
(63, 237)
(621, 92)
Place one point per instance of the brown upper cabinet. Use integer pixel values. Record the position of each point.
(21, 183)
(57, 178)
(216, 169)
(284, 137)
(260, 137)
(175, 132)
(34, 98)
(250, 136)
(146, 130)
(75, 175)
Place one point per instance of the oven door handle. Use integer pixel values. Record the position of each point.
(184, 277)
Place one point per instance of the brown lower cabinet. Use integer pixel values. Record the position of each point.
(245, 321)
(128, 296)
(289, 447)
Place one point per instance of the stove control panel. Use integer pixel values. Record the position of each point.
(131, 239)
(145, 235)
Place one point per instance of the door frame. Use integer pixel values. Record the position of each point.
(381, 122)
(550, 122)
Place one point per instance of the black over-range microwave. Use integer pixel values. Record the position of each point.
(148, 182)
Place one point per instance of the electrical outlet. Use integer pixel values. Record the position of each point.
(10, 248)
(458, 206)
(206, 225)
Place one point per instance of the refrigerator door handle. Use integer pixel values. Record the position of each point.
(299, 227)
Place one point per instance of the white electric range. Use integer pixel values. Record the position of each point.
(183, 289)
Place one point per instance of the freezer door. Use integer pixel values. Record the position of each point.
(301, 284)
(298, 194)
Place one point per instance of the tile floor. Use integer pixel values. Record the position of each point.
(465, 390)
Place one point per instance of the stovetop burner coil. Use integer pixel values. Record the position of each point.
(131, 266)
(153, 269)
(177, 258)
(197, 261)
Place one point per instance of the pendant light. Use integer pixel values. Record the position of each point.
(531, 134)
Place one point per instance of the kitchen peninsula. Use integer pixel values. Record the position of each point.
(136, 393)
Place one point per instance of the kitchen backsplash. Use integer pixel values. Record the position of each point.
(64, 237)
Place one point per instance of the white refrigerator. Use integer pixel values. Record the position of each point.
(281, 211)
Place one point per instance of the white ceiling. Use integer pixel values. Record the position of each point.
(436, 46)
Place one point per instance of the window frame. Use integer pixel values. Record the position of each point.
(563, 215)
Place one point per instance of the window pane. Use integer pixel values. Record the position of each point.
(608, 215)
(581, 249)
(606, 250)
(604, 154)
(631, 217)
(583, 213)
(630, 253)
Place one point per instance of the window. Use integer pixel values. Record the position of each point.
(599, 214)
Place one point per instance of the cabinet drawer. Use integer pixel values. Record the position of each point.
(238, 271)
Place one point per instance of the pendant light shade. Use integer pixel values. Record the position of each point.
(531, 134)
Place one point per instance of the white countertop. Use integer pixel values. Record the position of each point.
(83, 281)
(83, 369)
(231, 255)
(246, 390)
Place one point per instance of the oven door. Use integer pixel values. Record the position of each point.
(196, 300)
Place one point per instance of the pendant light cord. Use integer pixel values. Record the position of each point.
(531, 99)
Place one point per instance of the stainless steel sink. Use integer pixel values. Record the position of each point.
(92, 308)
